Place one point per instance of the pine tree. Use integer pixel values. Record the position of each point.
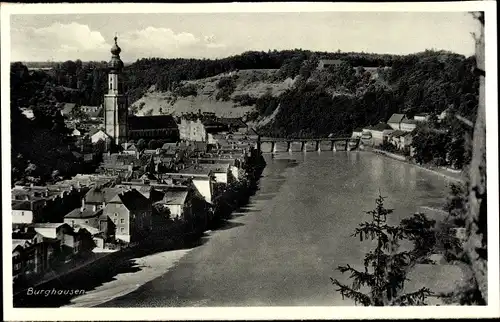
(385, 269)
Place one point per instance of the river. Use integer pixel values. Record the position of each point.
(282, 249)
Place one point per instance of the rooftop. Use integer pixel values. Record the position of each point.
(195, 169)
(99, 195)
(396, 118)
(175, 196)
(151, 122)
(87, 212)
(21, 205)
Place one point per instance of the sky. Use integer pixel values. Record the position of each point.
(216, 35)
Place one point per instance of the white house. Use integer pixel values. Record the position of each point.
(98, 136)
(76, 132)
(423, 117)
(175, 199)
(357, 133)
(377, 134)
(408, 125)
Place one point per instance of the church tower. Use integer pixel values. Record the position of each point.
(115, 102)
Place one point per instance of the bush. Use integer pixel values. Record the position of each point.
(186, 90)
(226, 87)
(245, 100)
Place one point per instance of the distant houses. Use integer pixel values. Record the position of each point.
(397, 131)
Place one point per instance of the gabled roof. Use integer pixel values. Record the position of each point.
(100, 195)
(90, 229)
(95, 130)
(358, 129)
(132, 199)
(129, 147)
(396, 118)
(67, 108)
(87, 212)
(175, 196)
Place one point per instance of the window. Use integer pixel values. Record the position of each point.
(122, 229)
(122, 221)
(114, 221)
(116, 214)
(86, 221)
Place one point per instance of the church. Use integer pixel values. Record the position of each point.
(121, 127)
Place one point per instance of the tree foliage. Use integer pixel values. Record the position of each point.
(385, 268)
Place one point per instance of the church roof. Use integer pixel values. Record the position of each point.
(151, 122)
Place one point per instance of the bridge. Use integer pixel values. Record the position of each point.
(317, 144)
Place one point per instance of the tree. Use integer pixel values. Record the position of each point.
(152, 144)
(477, 246)
(385, 269)
(141, 144)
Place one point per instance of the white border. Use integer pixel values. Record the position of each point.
(245, 313)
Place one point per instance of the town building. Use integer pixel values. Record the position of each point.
(395, 121)
(325, 63)
(67, 108)
(376, 134)
(357, 133)
(130, 212)
(175, 198)
(88, 216)
(407, 124)
(119, 126)
(97, 135)
(27, 211)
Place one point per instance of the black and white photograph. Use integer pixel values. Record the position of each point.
(271, 160)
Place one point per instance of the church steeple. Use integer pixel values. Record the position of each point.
(115, 65)
(115, 103)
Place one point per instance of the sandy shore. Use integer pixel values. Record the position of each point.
(152, 266)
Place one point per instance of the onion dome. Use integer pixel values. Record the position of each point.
(115, 64)
(116, 50)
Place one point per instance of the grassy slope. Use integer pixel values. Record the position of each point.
(252, 82)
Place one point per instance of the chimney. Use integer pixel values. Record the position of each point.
(94, 207)
(83, 203)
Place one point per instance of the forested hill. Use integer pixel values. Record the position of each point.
(335, 100)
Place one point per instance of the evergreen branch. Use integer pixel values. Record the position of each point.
(360, 278)
(415, 298)
(346, 291)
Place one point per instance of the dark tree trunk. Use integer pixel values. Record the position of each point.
(476, 246)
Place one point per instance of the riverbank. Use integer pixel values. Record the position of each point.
(151, 267)
(441, 171)
(121, 272)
